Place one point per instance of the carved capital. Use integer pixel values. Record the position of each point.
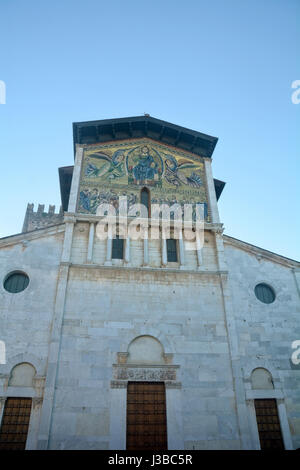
(69, 218)
(39, 381)
(4, 376)
(37, 401)
(122, 357)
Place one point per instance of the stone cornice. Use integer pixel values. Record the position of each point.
(35, 234)
(129, 365)
(145, 269)
(78, 217)
(260, 252)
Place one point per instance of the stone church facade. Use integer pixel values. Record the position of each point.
(144, 343)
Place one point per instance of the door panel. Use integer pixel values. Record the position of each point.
(268, 424)
(146, 416)
(15, 423)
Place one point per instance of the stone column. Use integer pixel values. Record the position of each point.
(146, 247)
(127, 249)
(181, 249)
(108, 251)
(199, 249)
(91, 242)
(164, 259)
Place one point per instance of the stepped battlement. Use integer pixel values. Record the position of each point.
(41, 218)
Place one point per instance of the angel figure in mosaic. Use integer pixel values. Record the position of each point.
(110, 168)
(174, 174)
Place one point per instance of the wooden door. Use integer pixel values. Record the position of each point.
(268, 424)
(15, 423)
(146, 416)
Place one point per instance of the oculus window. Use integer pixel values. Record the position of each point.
(16, 282)
(264, 293)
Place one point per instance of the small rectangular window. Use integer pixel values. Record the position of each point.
(172, 250)
(117, 248)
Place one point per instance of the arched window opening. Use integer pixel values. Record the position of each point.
(261, 379)
(22, 375)
(145, 350)
(145, 199)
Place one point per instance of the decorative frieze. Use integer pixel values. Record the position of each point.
(150, 373)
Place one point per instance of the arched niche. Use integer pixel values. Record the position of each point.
(261, 379)
(22, 375)
(145, 350)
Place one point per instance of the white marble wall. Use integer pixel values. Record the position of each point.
(75, 317)
(265, 332)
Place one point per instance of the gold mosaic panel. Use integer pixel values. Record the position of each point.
(122, 168)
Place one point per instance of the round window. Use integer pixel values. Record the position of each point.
(16, 282)
(264, 293)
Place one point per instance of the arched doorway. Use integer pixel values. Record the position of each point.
(146, 401)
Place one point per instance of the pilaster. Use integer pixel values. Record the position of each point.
(55, 338)
(211, 192)
(237, 375)
(75, 179)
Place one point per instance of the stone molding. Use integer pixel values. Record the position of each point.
(33, 235)
(253, 394)
(260, 252)
(123, 357)
(147, 269)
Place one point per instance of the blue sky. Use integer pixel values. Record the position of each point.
(224, 68)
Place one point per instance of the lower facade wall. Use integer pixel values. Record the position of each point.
(185, 314)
